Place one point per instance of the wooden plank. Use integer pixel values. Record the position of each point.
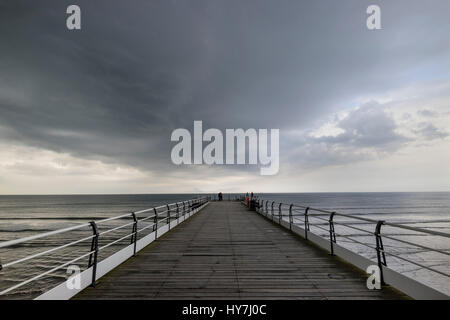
(227, 252)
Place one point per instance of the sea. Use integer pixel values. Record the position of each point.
(26, 215)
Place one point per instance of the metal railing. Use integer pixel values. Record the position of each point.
(326, 221)
(225, 197)
(154, 218)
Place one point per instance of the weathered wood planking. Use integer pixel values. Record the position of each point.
(227, 252)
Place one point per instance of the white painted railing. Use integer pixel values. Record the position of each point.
(159, 220)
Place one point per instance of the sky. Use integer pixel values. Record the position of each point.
(92, 110)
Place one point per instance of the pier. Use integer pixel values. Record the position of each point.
(229, 252)
(207, 249)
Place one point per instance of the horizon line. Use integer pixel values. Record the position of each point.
(190, 193)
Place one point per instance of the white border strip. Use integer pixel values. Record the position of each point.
(409, 286)
(62, 292)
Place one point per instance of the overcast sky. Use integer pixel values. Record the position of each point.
(92, 110)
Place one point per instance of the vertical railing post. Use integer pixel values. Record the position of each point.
(168, 215)
(306, 223)
(267, 210)
(279, 213)
(134, 233)
(381, 257)
(184, 208)
(155, 223)
(178, 214)
(94, 252)
(272, 209)
(290, 217)
(332, 234)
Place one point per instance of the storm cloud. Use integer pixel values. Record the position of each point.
(115, 90)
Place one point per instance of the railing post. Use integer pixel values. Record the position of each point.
(184, 208)
(267, 210)
(134, 232)
(332, 234)
(155, 221)
(272, 209)
(279, 213)
(306, 223)
(94, 252)
(168, 215)
(381, 257)
(178, 214)
(290, 216)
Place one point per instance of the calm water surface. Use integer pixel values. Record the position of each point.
(22, 216)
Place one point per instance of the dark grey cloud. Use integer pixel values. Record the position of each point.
(137, 70)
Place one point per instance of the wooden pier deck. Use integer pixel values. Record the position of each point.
(227, 252)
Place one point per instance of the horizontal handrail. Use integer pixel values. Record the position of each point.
(115, 241)
(397, 225)
(44, 273)
(9, 243)
(416, 263)
(116, 228)
(41, 235)
(418, 245)
(45, 252)
(430, 232)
